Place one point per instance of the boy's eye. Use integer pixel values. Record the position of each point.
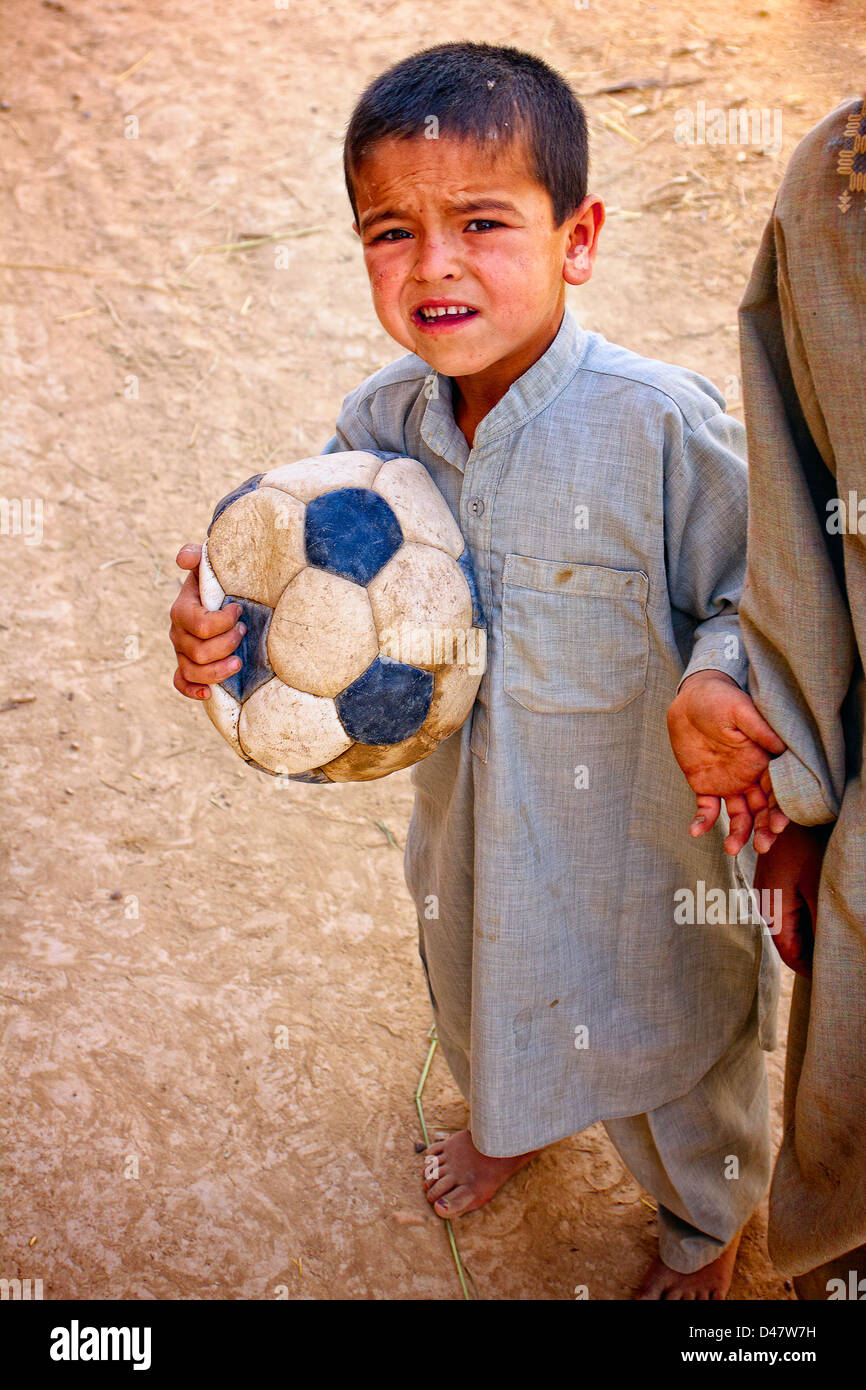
(478, 224)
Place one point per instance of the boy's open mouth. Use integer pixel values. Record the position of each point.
(436, 315)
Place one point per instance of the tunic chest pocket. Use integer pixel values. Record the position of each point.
(575, 636)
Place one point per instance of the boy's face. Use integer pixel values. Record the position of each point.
(445, 224)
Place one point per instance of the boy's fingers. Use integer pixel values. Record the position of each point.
(738, 835)
(189, 557)
(204, 624)
(205, 650)
(755, 799)
(187, 601)
(706, 815)
(203, 640)
(752, 723)
(209, 673)
(741, 822)
(743, 811)
(193, 692)
(188, 614)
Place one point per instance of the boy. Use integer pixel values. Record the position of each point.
(603, 498)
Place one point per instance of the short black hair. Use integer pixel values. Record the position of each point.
(478, 92)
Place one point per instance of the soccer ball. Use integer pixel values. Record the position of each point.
(365, 641)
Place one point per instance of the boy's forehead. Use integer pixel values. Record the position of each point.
(442, 169)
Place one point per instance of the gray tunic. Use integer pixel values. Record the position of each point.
(548, 855)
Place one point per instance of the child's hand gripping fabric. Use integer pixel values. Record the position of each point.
(203, 640)
(723, 746)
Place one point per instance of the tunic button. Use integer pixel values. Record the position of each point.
(476, 506)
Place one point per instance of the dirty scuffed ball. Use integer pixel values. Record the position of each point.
(365, 641)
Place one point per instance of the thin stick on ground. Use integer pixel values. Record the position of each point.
(419, 1107)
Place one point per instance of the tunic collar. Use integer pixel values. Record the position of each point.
(529, 394)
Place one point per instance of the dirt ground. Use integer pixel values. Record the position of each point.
(214, 1016)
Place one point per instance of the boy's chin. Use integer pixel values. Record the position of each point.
(451, 358)
(443, 354)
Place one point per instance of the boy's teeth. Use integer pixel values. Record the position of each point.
(438, 311)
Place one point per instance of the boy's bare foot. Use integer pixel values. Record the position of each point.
(710, 1282)
(463, 1179)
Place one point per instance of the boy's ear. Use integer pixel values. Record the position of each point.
(584, 226)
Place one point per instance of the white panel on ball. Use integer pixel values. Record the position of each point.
(420, 602)
(224, 711)
(419, 506)
(211, 592)
(257, 545)
(309, 478)
(289, 731)
(322, 635)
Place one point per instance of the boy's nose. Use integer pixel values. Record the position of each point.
(437, 260)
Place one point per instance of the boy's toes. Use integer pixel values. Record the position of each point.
(458, 1201)
(438, 1188)
(655, 1284)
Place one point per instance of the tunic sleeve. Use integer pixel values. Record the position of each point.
(705, 543)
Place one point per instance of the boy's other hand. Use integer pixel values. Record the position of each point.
(719, 739)
(202, 640)
(742, 808)
(792, 866)
(723, 745)
(755, 807)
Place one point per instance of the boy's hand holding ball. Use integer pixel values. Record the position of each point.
(203, 641)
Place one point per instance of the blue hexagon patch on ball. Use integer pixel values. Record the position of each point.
(387, 703)
(351, 532)
(255, 667)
